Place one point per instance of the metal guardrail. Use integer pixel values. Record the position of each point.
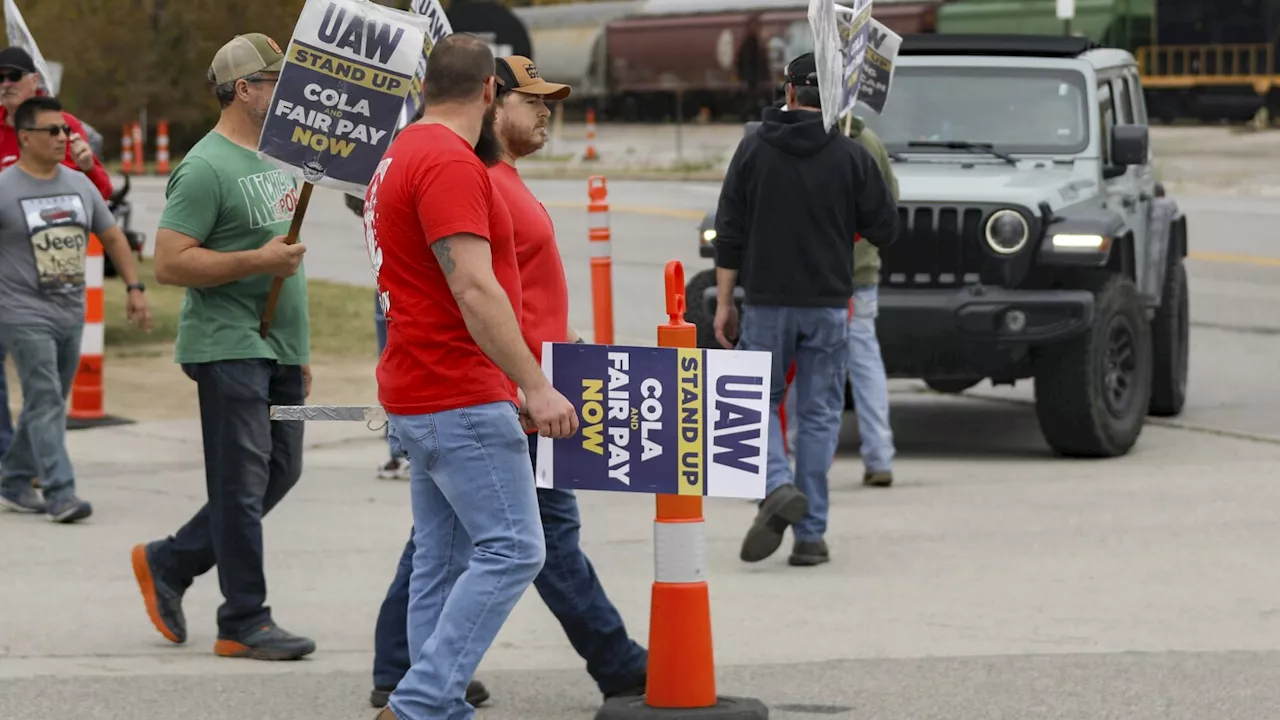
(1187, 66)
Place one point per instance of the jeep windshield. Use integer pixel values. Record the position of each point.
(951, 110)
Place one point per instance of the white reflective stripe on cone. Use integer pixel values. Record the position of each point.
(679, 552)
(92, 340)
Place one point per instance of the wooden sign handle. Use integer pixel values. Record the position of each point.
(292, 238)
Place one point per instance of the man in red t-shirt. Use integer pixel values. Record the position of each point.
(569, 586)
(442, 248)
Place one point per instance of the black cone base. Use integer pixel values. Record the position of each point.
(726, 708)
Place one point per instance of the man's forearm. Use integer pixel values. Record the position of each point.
(725, 280)
(117, 248)
(486, 310)
(197, 267)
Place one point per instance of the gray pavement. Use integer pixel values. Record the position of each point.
(993, 581)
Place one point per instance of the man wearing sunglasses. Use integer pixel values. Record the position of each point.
(47, 212)
(18, 84)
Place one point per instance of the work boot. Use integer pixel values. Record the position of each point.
(267, 642)
(386, 714)
(163, 601)
(20, 496)
(477, 693)
(809, 552)
(781, 509)
(878, 478)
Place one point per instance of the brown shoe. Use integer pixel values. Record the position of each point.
(386, 714)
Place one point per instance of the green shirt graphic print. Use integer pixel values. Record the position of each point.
(230, 200)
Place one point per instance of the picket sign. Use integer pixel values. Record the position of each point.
(349, 71)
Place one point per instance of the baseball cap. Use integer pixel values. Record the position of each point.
(17, 58)
(245, 55)
(518, 74)
(803, 71)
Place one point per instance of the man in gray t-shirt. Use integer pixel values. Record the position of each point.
(47, 213)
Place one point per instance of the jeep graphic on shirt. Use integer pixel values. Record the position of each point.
(58, 228)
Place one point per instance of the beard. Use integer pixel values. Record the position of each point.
(523, 142)
(487, 147)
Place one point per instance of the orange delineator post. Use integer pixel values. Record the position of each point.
(162, 147)
(600, 240)
(86, 389)
(682, 672)
(590, 154)
(126, 150)
(139, 156)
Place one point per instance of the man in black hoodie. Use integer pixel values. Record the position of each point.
(794, 198)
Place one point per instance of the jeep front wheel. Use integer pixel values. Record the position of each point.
(1092, 392)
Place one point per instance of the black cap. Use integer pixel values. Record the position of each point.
(16, 57)
(803, 71)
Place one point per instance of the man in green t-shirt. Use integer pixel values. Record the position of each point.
(222, 236)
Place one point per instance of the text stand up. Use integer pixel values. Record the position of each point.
(295, 227)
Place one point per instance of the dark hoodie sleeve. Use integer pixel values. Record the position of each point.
(877, 213)
(731, 214)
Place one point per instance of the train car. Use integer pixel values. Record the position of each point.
(722, 55)
(570, 46)
(1210, 60)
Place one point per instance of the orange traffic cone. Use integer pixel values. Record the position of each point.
(682, 674)
(87, 409)
(162, 147)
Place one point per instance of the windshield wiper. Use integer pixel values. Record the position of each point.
(965, 145)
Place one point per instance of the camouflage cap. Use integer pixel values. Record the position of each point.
(245, 55)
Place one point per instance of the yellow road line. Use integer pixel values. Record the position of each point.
(682, 214)
(1234, 259)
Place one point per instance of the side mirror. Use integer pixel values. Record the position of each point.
(1129, 145)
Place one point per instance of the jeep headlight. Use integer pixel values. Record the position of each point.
(1007, 232)
(708, 235)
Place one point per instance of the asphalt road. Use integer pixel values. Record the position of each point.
(993, 581)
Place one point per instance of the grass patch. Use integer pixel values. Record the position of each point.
(341, 318)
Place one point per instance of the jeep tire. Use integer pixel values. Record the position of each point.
(1170, 342)
(695, 313)
(1093, 391)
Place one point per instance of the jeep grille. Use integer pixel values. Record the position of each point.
(939, 247)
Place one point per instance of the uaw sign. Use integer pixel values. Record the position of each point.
(437, 28)
(348, 70)
(669, 421)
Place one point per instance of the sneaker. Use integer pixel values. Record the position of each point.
(477, 693)
(394, 469)
(807, 553)
(65, 507)
(878, 478)
(268, 642)
(781, 509)
(21, 497)
(163, 601)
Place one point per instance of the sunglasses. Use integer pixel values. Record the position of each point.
(53, 130)
(12, 76)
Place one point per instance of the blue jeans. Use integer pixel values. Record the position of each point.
(870, 385)
(567, 584)
(6, 420)
(380, 326)
(817, 339)
(47, 360)
(250, 463)
(477, 546)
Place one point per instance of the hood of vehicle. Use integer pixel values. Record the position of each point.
(1029, 183)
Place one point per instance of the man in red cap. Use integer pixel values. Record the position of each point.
(19, 83)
